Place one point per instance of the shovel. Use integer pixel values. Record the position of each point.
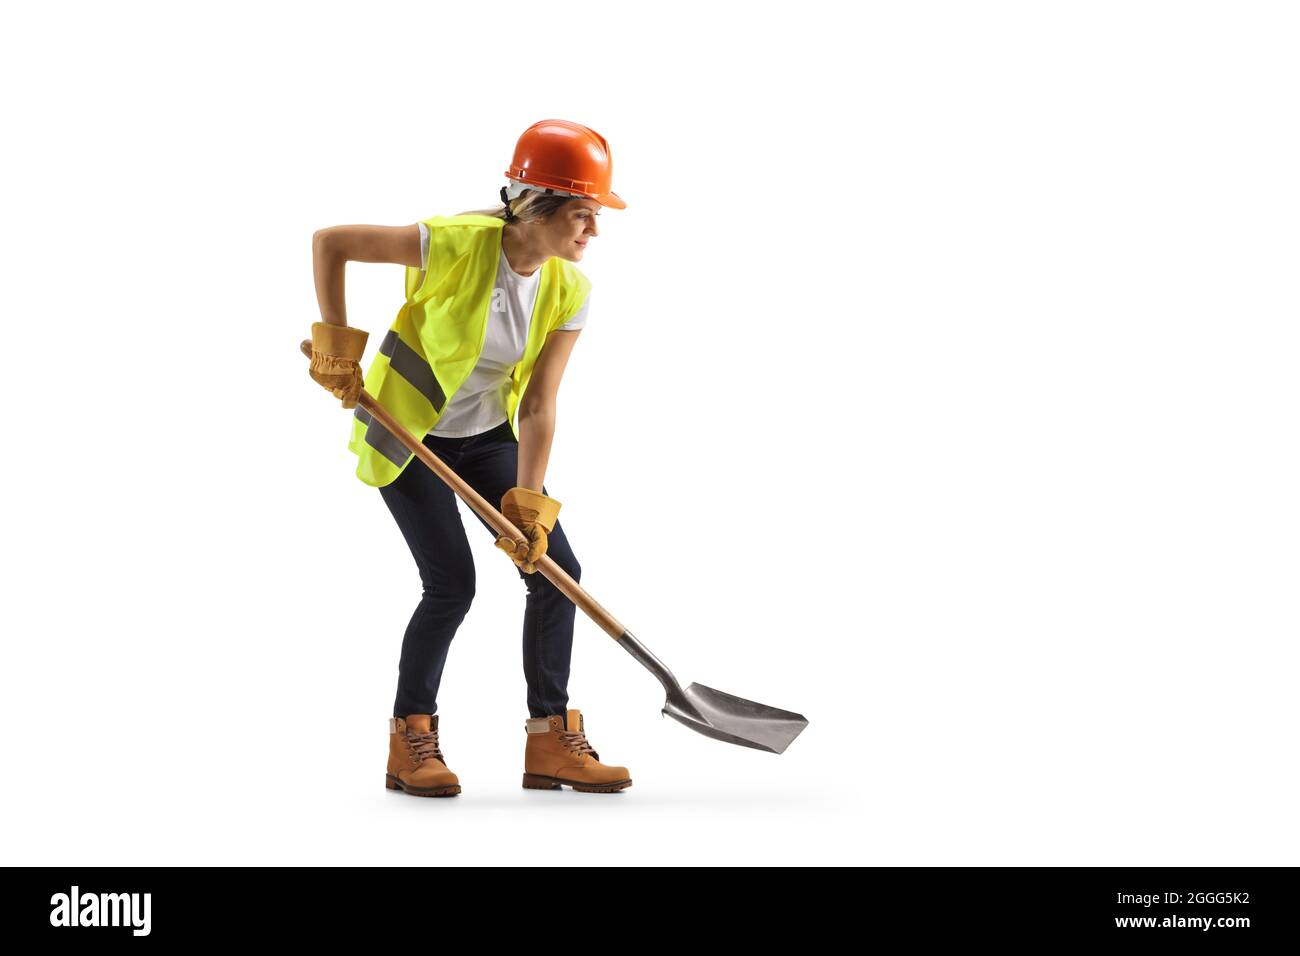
(705, 710)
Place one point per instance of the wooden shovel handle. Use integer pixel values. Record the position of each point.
(553, 572)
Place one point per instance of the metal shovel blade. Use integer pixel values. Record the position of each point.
(719, 715)
(734, 719)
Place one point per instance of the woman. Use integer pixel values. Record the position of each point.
(493, 308)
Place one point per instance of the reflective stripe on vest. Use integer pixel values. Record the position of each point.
(437, 337)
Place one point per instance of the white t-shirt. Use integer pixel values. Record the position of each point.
(479, 405)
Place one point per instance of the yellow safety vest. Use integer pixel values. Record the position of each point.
(437, 337)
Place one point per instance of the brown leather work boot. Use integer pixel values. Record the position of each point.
(558, 754)
(415, 762)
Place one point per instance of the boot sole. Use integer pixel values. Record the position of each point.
(449, 790)
(537, 781)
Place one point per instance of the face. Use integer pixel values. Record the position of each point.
(571, 227)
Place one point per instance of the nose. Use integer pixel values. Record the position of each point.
(591, 226)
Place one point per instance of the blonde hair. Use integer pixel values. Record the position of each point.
(528, 206)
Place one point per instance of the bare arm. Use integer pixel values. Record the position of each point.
(333, 247)
(537, 409)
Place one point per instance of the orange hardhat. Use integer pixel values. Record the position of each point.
(567, 159)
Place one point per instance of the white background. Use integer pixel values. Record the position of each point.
(940, 385)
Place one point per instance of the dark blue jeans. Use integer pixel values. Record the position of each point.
(424, 507)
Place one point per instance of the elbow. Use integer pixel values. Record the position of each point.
(541, 410)
(329, 249)
(323, 242)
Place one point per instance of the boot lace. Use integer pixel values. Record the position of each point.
(577, 741)
(425, 745)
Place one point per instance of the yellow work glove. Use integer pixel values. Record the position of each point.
(336, 352)
(534, 514)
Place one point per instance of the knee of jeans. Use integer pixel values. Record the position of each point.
(458, 591)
